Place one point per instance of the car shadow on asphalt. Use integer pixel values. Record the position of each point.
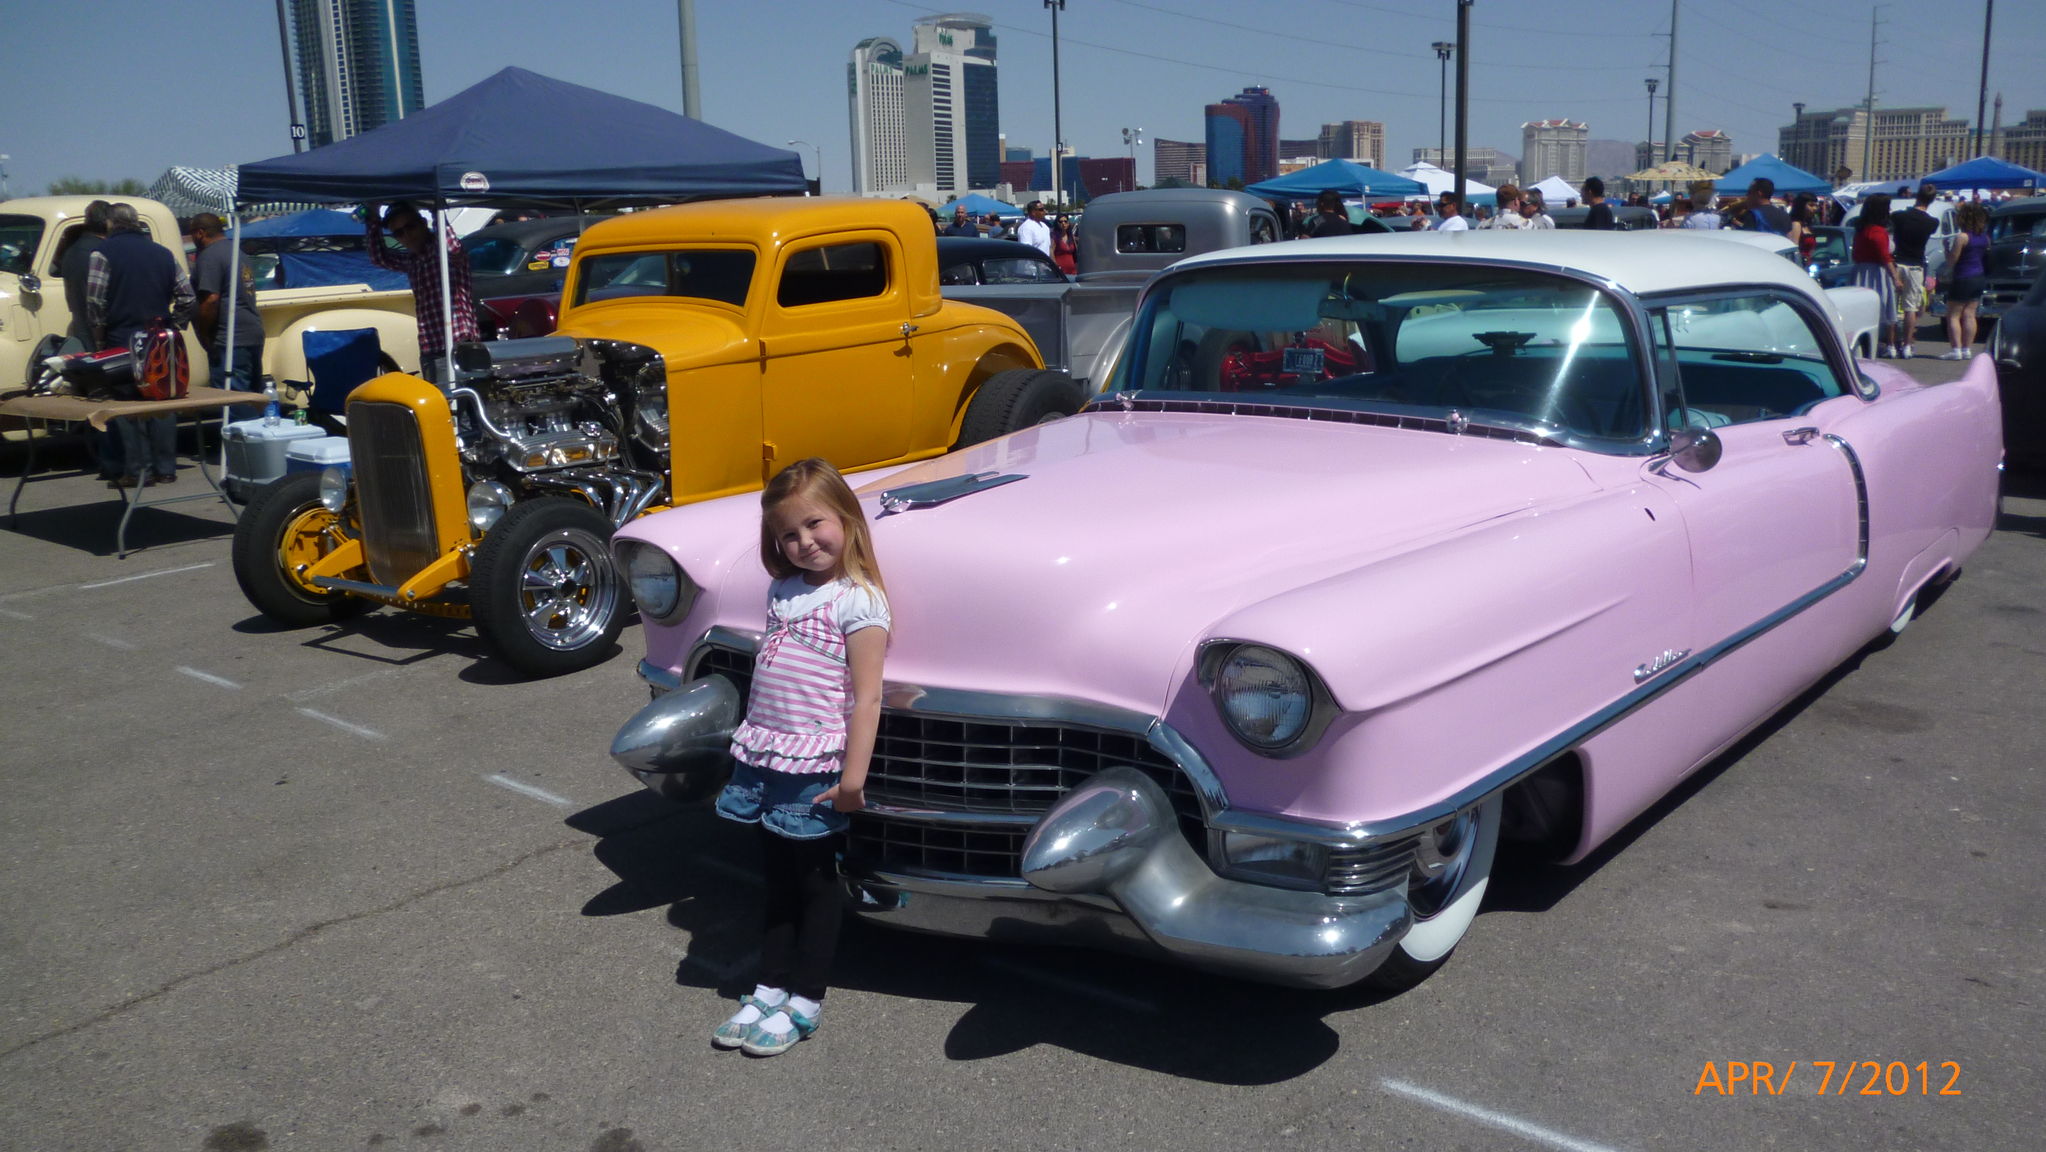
(392, 638)
(1104, 1004)
(2023, 486)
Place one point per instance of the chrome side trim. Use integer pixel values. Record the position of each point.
(657, 678)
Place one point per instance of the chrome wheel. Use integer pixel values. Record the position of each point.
(568, 590)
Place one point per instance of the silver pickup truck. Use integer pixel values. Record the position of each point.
(1125, 239)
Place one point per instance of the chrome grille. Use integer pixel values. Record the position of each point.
(1367, 868)
(977, 767)
(396, 502)
(985, 767)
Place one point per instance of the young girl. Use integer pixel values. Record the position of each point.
(802, 752)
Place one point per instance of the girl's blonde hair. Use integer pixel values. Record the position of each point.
(816, 479)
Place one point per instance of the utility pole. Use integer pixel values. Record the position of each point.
(1463, 97)
(1058, 131)
(1669, 102)
(1868, 109)
(1651, 82)
(685, 18)
(1982, 94)
(291, 89)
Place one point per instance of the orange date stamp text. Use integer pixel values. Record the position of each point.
(1830, 1078)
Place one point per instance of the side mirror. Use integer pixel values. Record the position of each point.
(31, 284)
(1695, 449)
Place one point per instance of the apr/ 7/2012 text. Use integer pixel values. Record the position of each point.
(1832, 1077)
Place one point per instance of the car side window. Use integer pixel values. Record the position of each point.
(1007, 270)
(833, 272)
(1740, 359)
(497, 256)
(960, 273)
(1150, 238)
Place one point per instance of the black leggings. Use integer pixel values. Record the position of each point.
(804, 908)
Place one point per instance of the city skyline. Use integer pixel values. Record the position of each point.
(357, 65)
(779, 74)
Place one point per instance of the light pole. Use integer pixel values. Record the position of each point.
(4, 158)
(819, 154)
(1652, 83)
(1058, 131)
(1442, 50)
(1131, 137)
(1796, 148)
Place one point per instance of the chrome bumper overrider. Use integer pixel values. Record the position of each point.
(1106, 866)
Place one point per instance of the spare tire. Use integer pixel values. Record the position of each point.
(1017, 399)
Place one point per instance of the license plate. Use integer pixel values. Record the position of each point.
(1302, 362)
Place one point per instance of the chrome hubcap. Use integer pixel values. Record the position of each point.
(568, 591)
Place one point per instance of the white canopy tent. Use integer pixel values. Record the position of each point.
(1438, 181)
(1557, 191)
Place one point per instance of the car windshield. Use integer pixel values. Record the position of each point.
(2017, 225)
(720, 274)
(1503, 346)
(1831, 247)
(19, 238)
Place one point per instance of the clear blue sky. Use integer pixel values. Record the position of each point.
(121, 88)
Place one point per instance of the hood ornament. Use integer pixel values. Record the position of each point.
(932, 493)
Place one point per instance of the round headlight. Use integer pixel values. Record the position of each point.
(487, 502)
(1265, 696)
(334, 489)
(655, 578)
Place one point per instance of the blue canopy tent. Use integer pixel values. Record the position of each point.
(1789, 179)
(1986, 172)
(978, 205)
(1347, 178)
(316, 248)
(520, 138)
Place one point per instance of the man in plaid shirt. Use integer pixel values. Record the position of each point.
(421, 264)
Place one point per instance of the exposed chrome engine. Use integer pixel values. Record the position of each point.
(563, 414)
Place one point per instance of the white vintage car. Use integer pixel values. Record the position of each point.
(1858, 308)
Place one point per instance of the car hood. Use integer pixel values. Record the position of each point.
(686, 336)
(1129, 536)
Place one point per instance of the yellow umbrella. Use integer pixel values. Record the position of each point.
(1674, 170)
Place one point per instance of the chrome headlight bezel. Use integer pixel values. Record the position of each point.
(659, 585)
(334, 488)
(488, 501)
(1318, 708)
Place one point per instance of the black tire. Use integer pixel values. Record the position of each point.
(284, 519)
(544, 591)
(1016, 399)
(1444, 900)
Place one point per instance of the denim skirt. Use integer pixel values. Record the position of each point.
(784, 803)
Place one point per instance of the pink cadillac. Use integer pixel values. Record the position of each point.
(1379, 551)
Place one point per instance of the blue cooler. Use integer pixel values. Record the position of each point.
(255, 452)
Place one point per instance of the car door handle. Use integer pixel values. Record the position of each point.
(908, 328)
(1800, 435)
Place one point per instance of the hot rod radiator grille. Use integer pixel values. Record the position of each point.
(974, 768)
(389, 462)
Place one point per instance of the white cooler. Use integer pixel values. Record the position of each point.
(256, 452)
(316, 455)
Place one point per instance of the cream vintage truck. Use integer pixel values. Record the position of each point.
(36, 231)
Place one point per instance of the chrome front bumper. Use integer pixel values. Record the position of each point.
(1106, 866)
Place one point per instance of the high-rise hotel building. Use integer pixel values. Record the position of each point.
(880, 144)
(358, 65)
(1243, 137)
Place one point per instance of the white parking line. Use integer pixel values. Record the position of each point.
(1498, 1120)
(148, 575)
(111, 641)
(1081, 987)
(209, 677)
(13, 615)
(523, 789)
(345, 726)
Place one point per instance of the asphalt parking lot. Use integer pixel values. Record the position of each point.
(356, 887)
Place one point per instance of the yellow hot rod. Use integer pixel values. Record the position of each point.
(700, 348)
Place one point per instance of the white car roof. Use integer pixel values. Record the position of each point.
(1667, 260)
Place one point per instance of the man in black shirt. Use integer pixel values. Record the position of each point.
(1758, 214)
(1601, 213)
(1910, 230)
(961, 226)
(1329, 219)
(76, 265)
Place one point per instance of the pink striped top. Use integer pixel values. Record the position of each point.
(802, 688)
